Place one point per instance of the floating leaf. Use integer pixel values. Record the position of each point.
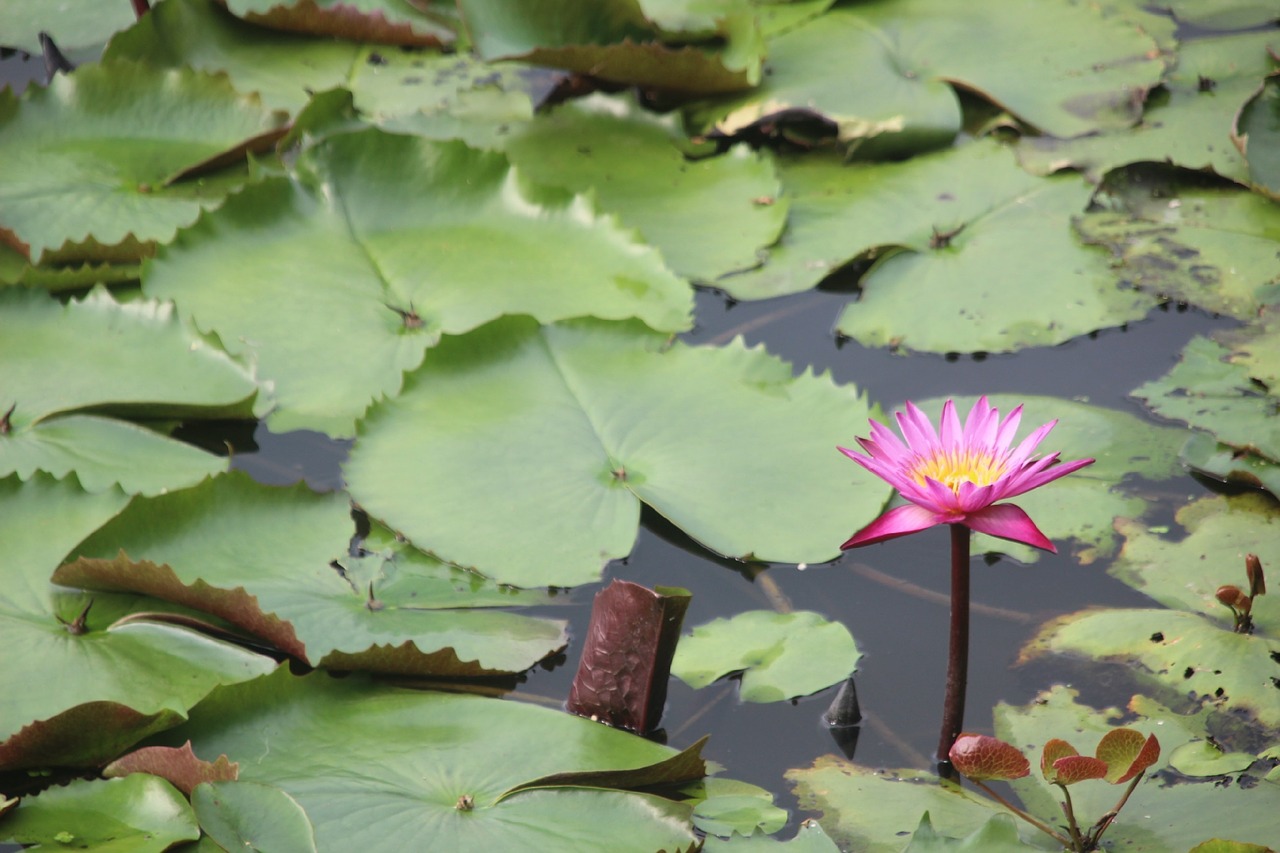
(1217, 845)
(450, 776)
(202, 548)
(1257, 132)
(75, 25)
(395, 237)
(1214, 248)
(385, 21)
(984, 757)
(178, 766)
(1185, 573)
(137, 814)
(730, 808)
(622, 41)
(1208, 392)
(1205, 758)
(998, 835)
(780, 655)
(1088, 72)
(94, 687)
(252, 816)
(570, 427)
(104, 156)
(1185, 122)
(134, 357)
(810, 838)
(634, 163)
(1210, 458)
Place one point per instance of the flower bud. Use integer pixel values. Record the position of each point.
(1257, 580)
(1232, 596)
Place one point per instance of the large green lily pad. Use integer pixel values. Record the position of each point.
(90, 687)
(137, 814)
(395, 237)
(104, 157)
(204, 548)
(1257, 131)
(682, 46)
(1184, 574)
(1208, 457)
(76, 26)
(385, 21)
(250, 815)
(1188, 121)
(1065, 70)
(1207, 392)
(385, 769)
(568, 428)
(637, 166)
(135, 358)
(780, 655)
(1215, 248)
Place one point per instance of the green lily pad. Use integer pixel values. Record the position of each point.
(780, 655)
(366, 215)
(998, 835)
(105, 156)
(635, 164)
(1177, 653)
(1218, 845)
(385, 21)
(1209, 393)
(201, 548)
(135, 358)
(95, 686)
(1257, 347)
(137, 814)
(1210, 458)
(1257, 131)
(460, 773)
(570, 427)
(992, 287)
(625, 41)
(1187, 121)
(252, 816)
(1222, 14)
(810, 838)
(1215, 248)
(730, 808)
(887, 67)
(76, 26)
(1184, 574)
(1203, 758)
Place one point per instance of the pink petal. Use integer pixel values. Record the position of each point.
(952, 432)
(1008, 521)
(940, 497)
(917, 429)
(888, 442)
(978, 426)
(1029, 444)
(1004, 436)
(1037, 475)
(899, 521)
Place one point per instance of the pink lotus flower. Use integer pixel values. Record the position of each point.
(959, 476)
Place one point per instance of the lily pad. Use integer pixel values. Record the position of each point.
(137, 814)
(1215, 248)
(461, 773)
(179, 766)
(1187, 121)
(810, 838)
(135, 358)
(1204, 758)
(729, 808)
(1066, 70)
(1257, 132)
(385, 21)
(93, 687)
(77, 26)
(252, 816)
(106, 156)
(780, 655)
(1210, 458)
(367, 214)
(998, 835)
(202, 548)
(1185, 573)
(570, 427)
(1209, 393)
(635, 164)
(624, 41)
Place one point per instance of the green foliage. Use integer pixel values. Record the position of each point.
(136, 814)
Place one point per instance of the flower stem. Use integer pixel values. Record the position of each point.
(958, 657)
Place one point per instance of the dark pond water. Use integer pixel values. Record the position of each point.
(902, 633)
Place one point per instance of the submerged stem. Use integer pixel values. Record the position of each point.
(958, 655)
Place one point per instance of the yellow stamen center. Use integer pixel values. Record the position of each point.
(953, 467)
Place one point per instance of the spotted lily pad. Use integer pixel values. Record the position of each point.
(107, 157)
(384, 21)
(780, 655)
(613, 415)
(202, 548)
(395, 236)
(462, 773)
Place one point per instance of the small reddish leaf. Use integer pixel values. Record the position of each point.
(1257, 579)
(1232, 596)
(178, 765)
(1127, 754)
(983, 757)
(1053, 750)
(1077, 768)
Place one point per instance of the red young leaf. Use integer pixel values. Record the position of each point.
(1053, 750)
(179, 765)
(1071, 769)
(983, 757)
(1257, 579)
(1127, 753)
